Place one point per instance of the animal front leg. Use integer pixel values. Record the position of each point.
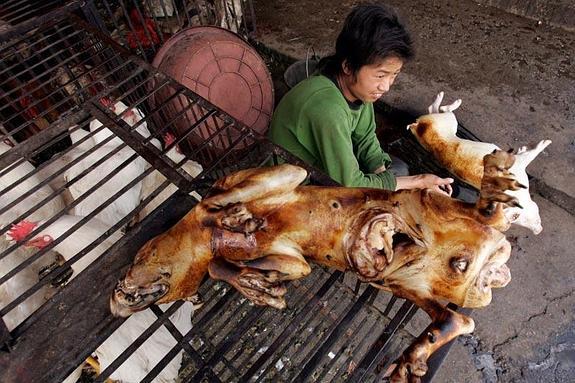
(446, 325)
(261, 280)
(495, 182)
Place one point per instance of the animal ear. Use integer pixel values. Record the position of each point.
(20, 230)
(510, 150)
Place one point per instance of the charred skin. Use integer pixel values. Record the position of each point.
(262, 228)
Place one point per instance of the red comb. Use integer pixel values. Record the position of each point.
(106, 102)
(20, 230)
(169, 138)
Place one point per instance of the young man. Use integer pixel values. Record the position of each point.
(328, 120)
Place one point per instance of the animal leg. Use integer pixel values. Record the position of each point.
(251, 184)
(526, 154)
(446, 325)
(236, 218)
(261, 280)
(496, 180)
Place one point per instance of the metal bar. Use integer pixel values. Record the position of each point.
(302, 295)
(59, 270)
(5, 337)
(390, 304)
(163, 318)
(356, 350)
(333, 335)
(24, 44)
(143, 150)
(379, 347)
(228, 341)
(71, 206)
(57, 14)
(289, 330)
(182, 343)
(177, 334)
(42, 137)
(98, 96)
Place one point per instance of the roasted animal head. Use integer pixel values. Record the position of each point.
(159, 274)
(459, 261)
(142, 286)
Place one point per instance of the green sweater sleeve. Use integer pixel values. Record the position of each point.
(333, 137)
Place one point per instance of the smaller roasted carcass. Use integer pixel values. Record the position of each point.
(464, 158)
(260, 227)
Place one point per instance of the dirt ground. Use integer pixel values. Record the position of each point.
(516, 77)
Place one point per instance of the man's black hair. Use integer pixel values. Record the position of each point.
(371, 32)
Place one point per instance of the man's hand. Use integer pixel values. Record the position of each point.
(425, 181)
(437, 108)
(435, 183)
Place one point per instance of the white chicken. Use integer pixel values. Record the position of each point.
(27, 277)
(21, 282)
(75, 242)
(148, 355)
(464, 158)
(126, 202)
(141, 362)
(155, 179)
(43, 211)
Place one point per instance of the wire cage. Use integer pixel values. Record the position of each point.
(93, 164)
(142, 26)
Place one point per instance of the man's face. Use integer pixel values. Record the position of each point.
(371, 81)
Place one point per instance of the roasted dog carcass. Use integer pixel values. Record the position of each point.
(464, 158)
(260, 228)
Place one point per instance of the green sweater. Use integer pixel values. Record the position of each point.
(315, 123)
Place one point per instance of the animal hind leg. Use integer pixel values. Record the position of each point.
(251, 184)
(227, 210)
(446, 325)
(526, 154)
(261, 280)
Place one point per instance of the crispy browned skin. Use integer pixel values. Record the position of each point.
(261, 228)
(436, 133)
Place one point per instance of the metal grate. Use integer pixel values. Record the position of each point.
(74, 107)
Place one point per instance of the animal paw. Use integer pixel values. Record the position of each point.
(263, 288)
(409, 369)
(497, 180)
(239, 219)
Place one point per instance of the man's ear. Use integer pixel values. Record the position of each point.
(345, 68)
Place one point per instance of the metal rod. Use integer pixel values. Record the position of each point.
(382, 343)
(289, 330)
(334, 334)
(137, 342)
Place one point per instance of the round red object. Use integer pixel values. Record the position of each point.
(224, 69)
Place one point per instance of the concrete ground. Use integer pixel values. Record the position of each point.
(516, 77)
